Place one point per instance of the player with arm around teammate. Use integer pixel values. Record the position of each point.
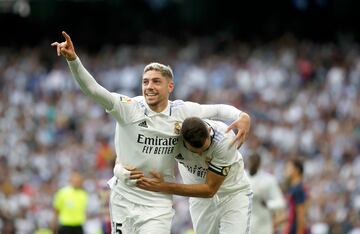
(146, 134)
(214, 178)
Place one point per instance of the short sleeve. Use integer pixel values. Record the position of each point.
(299, 195)
(223, 157)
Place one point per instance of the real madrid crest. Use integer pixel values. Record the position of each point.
(177, 128)
(225, 171)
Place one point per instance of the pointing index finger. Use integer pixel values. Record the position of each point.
(67, 37)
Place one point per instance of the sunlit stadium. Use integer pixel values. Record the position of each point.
(80, 79)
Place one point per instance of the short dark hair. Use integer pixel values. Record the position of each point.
(298, 164)
(255, 161)
(194, 131)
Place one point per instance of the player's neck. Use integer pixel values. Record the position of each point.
(296, 180)
(159, 107)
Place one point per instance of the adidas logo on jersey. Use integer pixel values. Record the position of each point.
(143, 124)
(179, 157)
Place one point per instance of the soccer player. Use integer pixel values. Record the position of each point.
(296, 196)
(146, 134)
(268, 202)
(214, 178)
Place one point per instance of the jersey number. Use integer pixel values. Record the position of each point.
(118, 228)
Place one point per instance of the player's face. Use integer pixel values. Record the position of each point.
(76, 180)
(156, 88)
(289, 170)
(200, 150)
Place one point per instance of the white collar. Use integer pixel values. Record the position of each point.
(149, 112)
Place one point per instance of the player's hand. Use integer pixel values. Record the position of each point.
(65, 48)
(242, 124)
(135, 174)
(154, 184)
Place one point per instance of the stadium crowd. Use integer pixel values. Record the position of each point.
(303, 98)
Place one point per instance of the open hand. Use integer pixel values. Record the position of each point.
(242, 124)
(135, 174)
(154, 184)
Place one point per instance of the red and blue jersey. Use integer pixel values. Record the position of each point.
(296, 195)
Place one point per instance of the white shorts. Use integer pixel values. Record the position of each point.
(131, 218)
(229, 216)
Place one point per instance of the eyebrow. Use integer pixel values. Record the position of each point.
(153, 78)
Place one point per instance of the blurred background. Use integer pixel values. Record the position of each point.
(293, 65)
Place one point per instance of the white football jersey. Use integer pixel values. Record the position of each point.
(219, 158)
(148, 141)
(266, 190)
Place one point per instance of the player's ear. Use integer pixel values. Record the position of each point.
(171, 86)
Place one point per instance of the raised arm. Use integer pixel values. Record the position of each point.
(223, 112)
(206, 190)
(87, 83)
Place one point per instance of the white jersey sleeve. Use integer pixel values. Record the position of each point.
(125, 109)
(121, 107)
(224, 156)
(275, 199)
(216, 112)
(89, 86)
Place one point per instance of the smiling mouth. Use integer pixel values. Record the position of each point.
(151, 95)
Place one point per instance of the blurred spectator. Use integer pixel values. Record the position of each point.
(70, 204)
(105, 155)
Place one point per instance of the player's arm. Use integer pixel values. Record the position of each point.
(276, 203)
(57, 204)
(300, 216)
(206, 190)
(226, 113)
(54, 221)
(87, 83)
(300, 202)
(279, 217)
(275, 200)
